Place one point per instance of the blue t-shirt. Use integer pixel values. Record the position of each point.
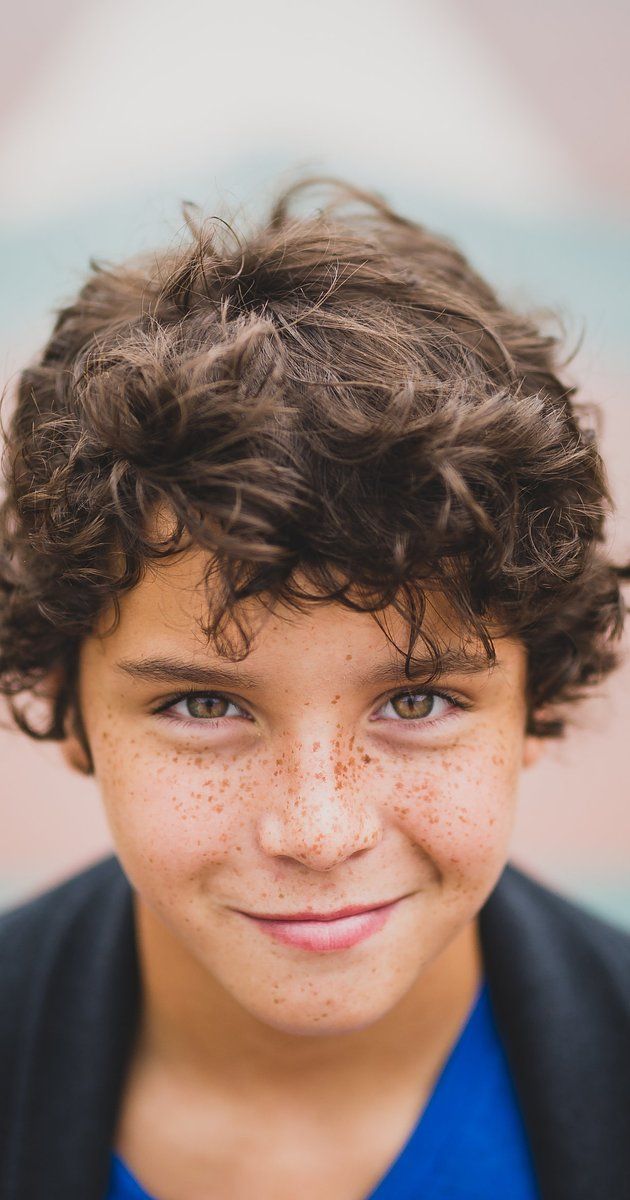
(470, 1142)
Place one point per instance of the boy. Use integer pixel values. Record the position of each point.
(303, 545)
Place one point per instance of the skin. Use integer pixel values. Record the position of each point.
(314, 789)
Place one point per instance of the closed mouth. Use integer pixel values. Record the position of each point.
(350, 910)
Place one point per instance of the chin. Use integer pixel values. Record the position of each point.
(317, 1016)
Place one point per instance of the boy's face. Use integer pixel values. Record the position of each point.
(300, 781)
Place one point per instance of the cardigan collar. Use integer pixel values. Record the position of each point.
(563, 1024)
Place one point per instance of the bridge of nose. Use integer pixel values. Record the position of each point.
(317, 812)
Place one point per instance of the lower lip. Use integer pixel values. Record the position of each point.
(324, 936)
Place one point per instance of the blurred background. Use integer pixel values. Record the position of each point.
(504, 126)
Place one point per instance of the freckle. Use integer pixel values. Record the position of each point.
(367, 758)
(218, 808)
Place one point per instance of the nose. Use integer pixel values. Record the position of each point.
(316, 819)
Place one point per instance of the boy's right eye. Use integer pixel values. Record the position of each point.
(201, 706)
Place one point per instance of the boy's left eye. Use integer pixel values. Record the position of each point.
(417, 706)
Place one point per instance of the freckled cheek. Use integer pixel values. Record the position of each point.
(460, 811)
(168, 809)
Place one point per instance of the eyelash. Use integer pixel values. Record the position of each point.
(213, 722)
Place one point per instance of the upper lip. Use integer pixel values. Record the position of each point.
(350, 910)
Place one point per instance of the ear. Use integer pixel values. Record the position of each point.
(75, 754)
(533, 748)
(75, 746)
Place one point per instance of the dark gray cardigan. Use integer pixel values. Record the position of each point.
(559, 982)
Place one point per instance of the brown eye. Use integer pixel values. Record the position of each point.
(199, 707)
(413, 705)
(206, 706)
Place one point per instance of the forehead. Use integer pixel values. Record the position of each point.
(167, 612)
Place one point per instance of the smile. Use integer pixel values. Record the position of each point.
(325, 933)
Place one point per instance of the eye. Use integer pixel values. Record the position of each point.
(201, 706)
(422, 707)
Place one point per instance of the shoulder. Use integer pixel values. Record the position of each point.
(535, 935)
(559, 982)
(61, 901)
(69, 996)
(522, 891)
(54, 925)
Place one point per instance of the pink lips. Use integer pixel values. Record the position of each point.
(322, 934)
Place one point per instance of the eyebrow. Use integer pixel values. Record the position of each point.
(179, 670)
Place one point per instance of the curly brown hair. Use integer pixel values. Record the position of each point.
(336, 396)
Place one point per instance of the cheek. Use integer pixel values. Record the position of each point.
(459, 807)
(172, 813)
